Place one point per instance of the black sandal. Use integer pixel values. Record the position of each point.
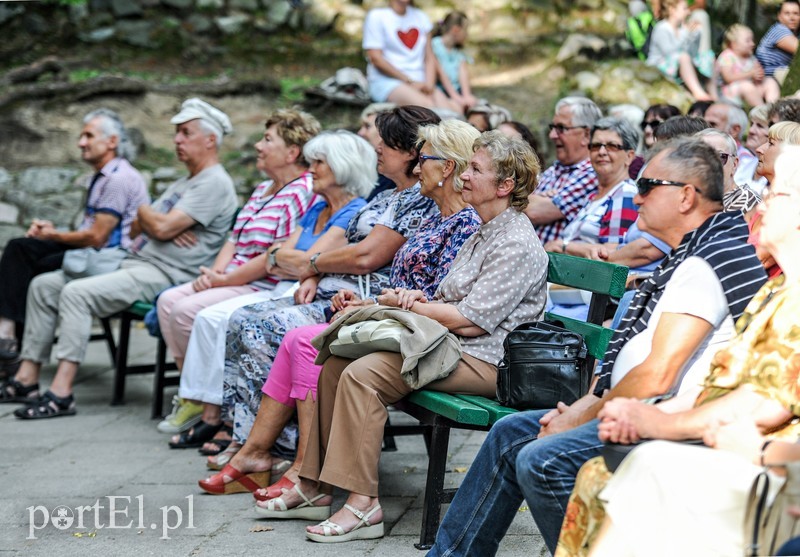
(196, 436)
(218, 444)
(48, 406)
(14, 391)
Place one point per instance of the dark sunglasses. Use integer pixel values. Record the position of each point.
(561, 128)
(610, 147)
(652, 123)
(646, 185)
(723, 157)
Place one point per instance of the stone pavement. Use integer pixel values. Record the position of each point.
(106, 452)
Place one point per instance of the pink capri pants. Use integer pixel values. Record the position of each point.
(177, 308)
(294, 373)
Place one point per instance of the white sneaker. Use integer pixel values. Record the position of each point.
(184, 415)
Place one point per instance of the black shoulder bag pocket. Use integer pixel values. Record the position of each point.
(542, 365)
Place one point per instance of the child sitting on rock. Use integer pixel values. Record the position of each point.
(741, 77)
(448, 44)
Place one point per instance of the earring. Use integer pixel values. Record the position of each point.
(441, 183)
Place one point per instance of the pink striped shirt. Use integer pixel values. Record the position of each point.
(265, 220)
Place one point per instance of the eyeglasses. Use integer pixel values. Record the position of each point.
(652, 123)
(646, 185)
(723, 157)
(561, 128)
(423, 158)
(610, 147)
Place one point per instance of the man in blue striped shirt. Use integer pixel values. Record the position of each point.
(679, 317)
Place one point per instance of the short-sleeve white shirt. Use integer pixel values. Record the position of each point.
(401, 39)
(694, 289)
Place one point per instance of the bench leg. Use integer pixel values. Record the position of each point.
(434, 484)
(122, 361)
(389, 444)
(157, 410)
(109, 334)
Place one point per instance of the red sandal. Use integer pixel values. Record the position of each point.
(239, 481)
(273, 491)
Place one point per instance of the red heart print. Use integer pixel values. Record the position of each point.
(409, 38)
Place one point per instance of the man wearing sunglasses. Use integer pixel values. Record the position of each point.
(735, 197)
(678, 319)
(564, 188)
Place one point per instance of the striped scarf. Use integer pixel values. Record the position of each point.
(722, 242)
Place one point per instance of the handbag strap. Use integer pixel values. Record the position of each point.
(756, 514)
(363, 286)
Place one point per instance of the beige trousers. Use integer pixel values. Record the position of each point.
(344, 446)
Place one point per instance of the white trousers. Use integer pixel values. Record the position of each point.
(204, 364)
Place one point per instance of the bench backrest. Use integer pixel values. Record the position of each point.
(603, 280)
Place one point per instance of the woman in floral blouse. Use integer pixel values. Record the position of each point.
(696, 494)
(421, 263)
(495, 283)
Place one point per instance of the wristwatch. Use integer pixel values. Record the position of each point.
(313, 262)
(273, 257)
(564, 245)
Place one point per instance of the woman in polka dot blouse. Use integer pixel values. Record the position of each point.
(495, 283)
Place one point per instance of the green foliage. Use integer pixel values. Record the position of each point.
(84, 75)
(155, 157)
(292, 87)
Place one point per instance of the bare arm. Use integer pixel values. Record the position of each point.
(542, 210)
(676, 338)
(637, 253)
(375, 57)
(161, 226)
(463, 78)
(446, 314)
(373, 252)
(788, 44)
(95, 236)
(628, 420)
(430, 65)
(444, 79)
(293, 263)
(225, 255)
(729, 74)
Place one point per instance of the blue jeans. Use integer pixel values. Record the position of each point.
(511, 467)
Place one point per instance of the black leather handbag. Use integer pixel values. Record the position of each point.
(543, 364)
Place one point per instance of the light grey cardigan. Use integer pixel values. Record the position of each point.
(430, 352)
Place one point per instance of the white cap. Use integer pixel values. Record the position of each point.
(193, 109)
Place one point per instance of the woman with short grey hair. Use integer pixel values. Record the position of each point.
(495, 283)
(611, 211)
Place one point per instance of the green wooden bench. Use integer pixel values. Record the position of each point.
(161, 380)
(438, 413)
(160, 368)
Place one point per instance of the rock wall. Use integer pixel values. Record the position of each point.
(575, 44)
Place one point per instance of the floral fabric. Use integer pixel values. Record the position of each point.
(425, 260)
(765, 355)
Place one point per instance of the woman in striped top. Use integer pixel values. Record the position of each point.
(777, 48)
(238, 277)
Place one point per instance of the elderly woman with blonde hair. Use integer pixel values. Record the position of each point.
(780, 134)
(495, 283)
(421, 263)
(696, 493)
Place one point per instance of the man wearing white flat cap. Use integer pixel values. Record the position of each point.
(178, 233)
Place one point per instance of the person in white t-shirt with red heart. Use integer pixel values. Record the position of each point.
(401, 65)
